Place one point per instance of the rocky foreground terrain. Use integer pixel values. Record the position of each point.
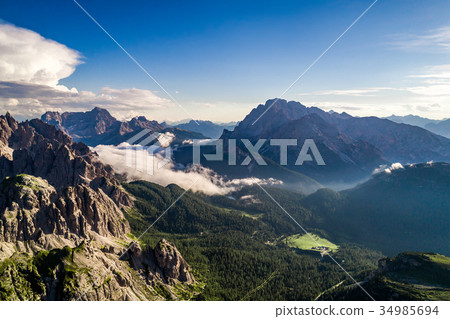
(63, 234)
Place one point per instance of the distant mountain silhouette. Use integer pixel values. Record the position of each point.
(441, 127)
(411, 120)
(207, 128)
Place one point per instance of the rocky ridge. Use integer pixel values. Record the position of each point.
(98, 126)
(88, 272)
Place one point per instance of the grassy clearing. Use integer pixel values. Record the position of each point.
(305, 242)
(252, 216)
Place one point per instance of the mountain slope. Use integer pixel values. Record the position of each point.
(398, 142)
(440, 127)
(346, 158)
(83, 273)
(403, 209)
(233, 242)
(408, 276)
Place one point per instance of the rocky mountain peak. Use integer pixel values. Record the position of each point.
(271, 115)
(53, 189)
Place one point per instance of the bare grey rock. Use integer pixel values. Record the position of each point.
(172, 263)
(39, 149)
(31, 208)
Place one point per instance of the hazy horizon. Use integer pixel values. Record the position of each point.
(186, 120)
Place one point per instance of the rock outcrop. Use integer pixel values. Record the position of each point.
(53, 186)
(31, 209)
(60, 274)
(164, 263)
(172, 263)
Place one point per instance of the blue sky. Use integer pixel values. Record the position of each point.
(222, 58)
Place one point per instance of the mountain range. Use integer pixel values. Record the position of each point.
(352, 147)
(70, 230)
(98, 126)
(396, 142)
(441, 127)
(206, 128)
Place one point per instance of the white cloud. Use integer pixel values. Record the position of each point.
(26, 56)
(208, 181)
(435, 71)
(388, 170)
(351, 92)
(32, 100)
(31, 67)
(133, 98)
(434, 41)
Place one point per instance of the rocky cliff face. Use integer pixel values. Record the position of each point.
(53, 191)
(62, 229)
(39, 149)
(164, 264)
(52, 186)
(33, 210)
(77, 124)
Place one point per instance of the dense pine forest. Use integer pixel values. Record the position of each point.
(237, 247)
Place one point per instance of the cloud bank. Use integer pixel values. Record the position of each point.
(26, 56)
(207, 181)
(31, 67)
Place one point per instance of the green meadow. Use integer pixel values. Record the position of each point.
(310, 242)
